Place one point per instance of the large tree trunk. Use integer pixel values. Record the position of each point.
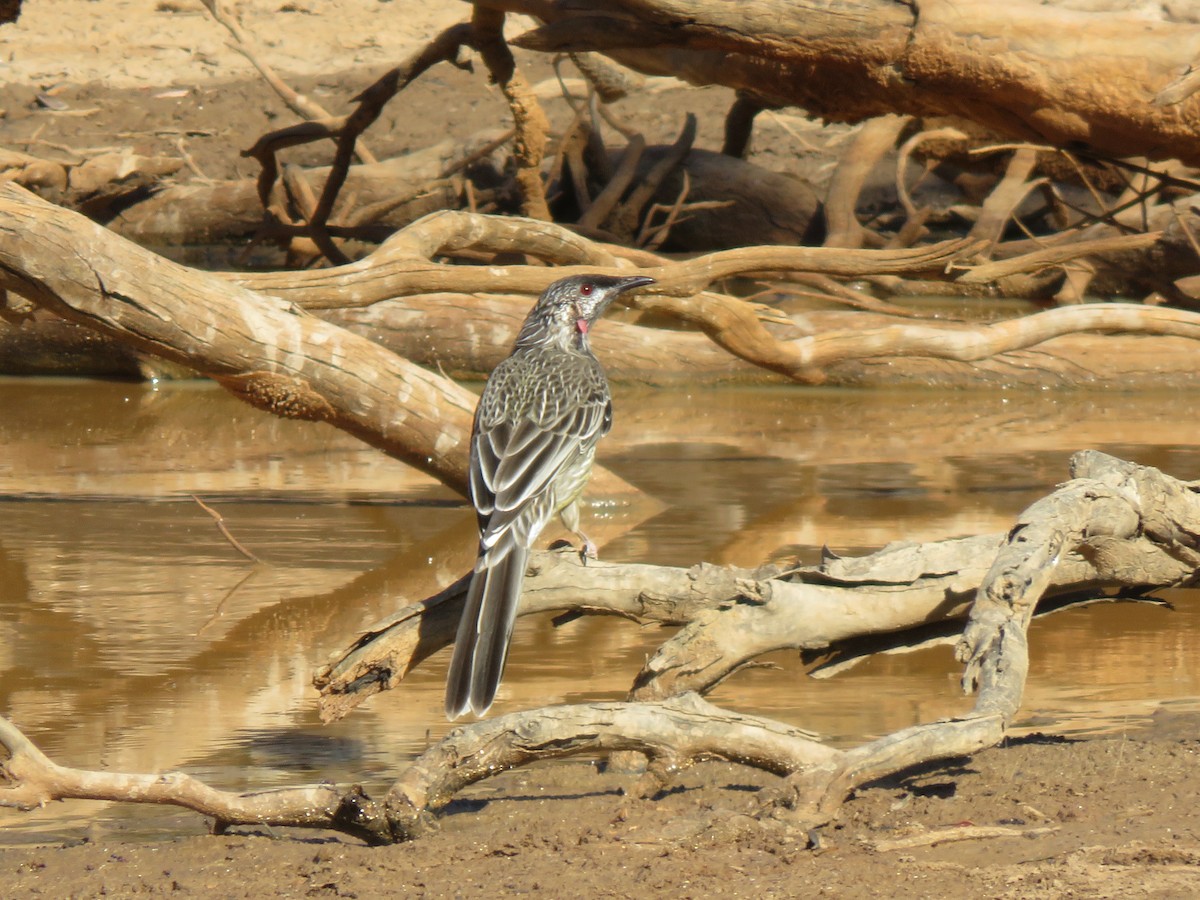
(1022, 70)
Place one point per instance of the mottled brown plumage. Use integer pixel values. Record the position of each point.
(536, 427)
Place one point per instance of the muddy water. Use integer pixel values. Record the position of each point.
(136, 638)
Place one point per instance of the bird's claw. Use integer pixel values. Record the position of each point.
(588, 550)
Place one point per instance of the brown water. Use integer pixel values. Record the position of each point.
(135, 638)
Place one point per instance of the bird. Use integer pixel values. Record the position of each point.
(533, 441)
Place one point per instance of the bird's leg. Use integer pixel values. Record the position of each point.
(570, 518)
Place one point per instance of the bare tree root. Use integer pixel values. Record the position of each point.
(403, 266)
(388, 195)
(1132, 523)
(484, 34)
(627, 216)
(532, 126)
(379, 659)
(914, 228)
(1002, 203)
(674, 735)
(739, 125)
(1048, 257)
(602, 206)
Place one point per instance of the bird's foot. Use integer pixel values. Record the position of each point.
(588, 550)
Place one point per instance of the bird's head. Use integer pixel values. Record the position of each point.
(569, 307)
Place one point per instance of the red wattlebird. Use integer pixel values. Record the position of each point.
(536, 427)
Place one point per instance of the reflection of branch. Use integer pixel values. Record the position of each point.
(229, 595)
(30, 779)
(732, 616)
(220, 520)
(268, 352)
(381, 657)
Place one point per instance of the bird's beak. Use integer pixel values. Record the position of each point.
(633, 282)
(623, 285)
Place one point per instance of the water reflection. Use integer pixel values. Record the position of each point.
(137, 638)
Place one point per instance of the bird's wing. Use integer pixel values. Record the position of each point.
(514, 466)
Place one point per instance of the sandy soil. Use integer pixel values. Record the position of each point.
(1111, 817)
(1102, 818)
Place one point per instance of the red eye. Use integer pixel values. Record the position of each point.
(586, 289)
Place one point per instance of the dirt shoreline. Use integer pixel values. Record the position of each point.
(1107, 817)
(1042, 817)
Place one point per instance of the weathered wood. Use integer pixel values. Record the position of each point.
(405, 266)
(264, 349)
(873, 141)
(761, 207)
(630, 353)
(208, 212)
(732, 616)
(1009, 68)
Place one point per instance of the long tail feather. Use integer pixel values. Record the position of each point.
(481, 647)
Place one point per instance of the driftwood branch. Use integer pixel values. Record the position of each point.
(81, 272)
(1115, 524)
(732, 616)
(29, 779)
(1132, 524)
(673, 734)
(403, 267)
(873, 140)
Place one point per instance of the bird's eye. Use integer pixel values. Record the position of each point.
(586, 289)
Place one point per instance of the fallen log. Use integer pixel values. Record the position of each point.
(1006, 69)
(404, 189)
